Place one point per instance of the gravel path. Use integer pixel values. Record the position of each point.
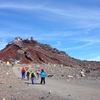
(65, 89)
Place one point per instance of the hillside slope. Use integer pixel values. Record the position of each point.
(30, 51)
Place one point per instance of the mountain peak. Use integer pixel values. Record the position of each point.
(30, 51)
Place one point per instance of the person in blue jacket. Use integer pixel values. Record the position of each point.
(43, 75)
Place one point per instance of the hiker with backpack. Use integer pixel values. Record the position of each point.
(33, 77)
(43, 75)
(28, 74)
(23, 71)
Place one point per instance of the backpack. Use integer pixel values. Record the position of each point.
(28, 73)
(23, 70)
(32, 75)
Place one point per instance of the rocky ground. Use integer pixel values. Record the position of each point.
(65, 83)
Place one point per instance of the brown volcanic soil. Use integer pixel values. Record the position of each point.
(14, 88)
(32, 52)
(62, 87)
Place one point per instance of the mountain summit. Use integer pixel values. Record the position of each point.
(30, 51)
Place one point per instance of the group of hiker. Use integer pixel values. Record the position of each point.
(33, 76)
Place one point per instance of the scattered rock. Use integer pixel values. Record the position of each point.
(62, 75)
(49, 92)
(3, 99)
(70, 76)
(7, 73)
(10, 86)
(69, 95)
(50, 75)
(82, 73)
(42, 98)
(87, 71)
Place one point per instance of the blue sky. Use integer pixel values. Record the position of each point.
(72, 26)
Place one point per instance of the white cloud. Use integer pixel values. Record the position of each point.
(81, 17)
(77, 47)
(19, 5)
(69, 11)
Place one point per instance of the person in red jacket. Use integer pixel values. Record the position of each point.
(23, 71)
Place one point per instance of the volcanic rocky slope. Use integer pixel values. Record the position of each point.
(30, 51)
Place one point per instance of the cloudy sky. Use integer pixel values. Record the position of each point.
(72, 26)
